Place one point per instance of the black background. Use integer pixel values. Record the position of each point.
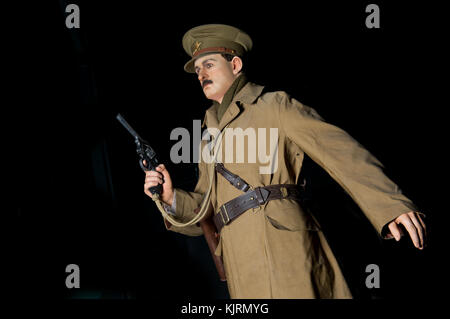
(77, 187)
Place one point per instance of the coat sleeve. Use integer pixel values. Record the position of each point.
(357, 171)
(186, 202)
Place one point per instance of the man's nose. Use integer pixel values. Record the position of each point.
(202, 75)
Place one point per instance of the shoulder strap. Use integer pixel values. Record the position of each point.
(234, 179)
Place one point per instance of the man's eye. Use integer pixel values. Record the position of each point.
(209, 65)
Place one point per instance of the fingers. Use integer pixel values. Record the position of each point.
(159, 176)
(155, 179)
(395, 231)
(152, 179)
(415, 226)
(419, 227)
(406, 221)
(422, 223)
(162, 169)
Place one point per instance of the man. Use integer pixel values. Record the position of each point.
(275, 249)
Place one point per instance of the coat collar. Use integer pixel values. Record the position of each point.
(248, 94)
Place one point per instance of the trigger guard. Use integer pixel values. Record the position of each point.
(142, 166)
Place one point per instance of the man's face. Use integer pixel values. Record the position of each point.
(216, 75)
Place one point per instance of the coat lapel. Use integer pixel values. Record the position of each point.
(248, 94)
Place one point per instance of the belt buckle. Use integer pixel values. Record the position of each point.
(258, 196)
(222, 210)
(284, 191)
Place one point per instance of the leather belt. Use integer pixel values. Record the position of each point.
(254, 198)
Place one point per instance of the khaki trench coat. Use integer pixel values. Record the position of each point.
(279, 250)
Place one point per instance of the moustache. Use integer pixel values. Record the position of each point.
(206, 82)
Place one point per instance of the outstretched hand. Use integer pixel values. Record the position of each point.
(415, 226)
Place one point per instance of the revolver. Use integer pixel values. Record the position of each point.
(145, 152)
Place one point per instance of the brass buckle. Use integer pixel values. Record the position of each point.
(223, 209)
(284, 191)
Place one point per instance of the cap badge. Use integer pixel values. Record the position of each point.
(196, 47)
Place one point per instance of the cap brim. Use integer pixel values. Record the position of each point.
(189, 66)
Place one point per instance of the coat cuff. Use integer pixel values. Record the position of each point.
(171, 210)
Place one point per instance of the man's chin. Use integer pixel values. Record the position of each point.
(208, 93)
(211, 97)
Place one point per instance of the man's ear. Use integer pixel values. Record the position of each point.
(236, 64)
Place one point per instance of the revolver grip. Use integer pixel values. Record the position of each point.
(156, 189)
